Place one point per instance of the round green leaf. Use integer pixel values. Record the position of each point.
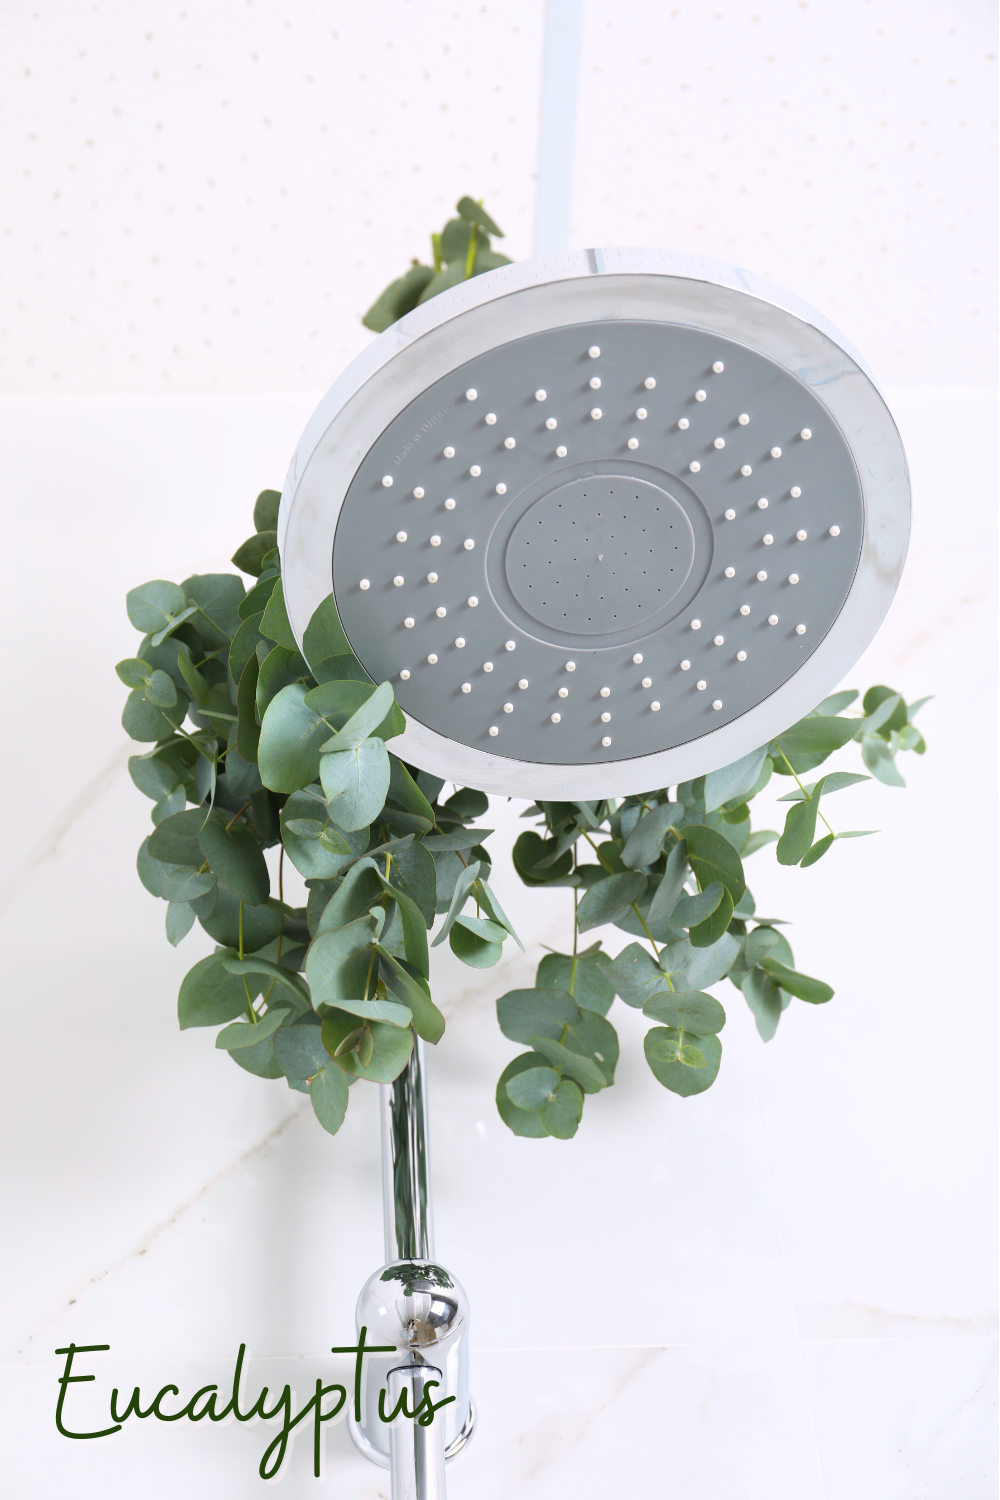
(687, 1010)
(153, 605)
(186, 884)
(261, 924)
(712, 857)
(260, 1059)
(661, 1047)
(521, 1121)
(533, 1089)
(176, 841)
(355, 783)
(562, 1117)
(144, 722)
(713, 927)
(290, 736)
(209, 995)
(474, 949)
(523, 1014)
(303, 819)
(390, 1046)
(160, 690)
(237, 859)
(152, 872)
(134, 672)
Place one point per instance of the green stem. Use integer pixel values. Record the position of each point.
(634, 908)
(801, 787)
(436, 251)
(281, 934)
(470, 259)
(236, 815)
(576, 930)
(368, 976)
(250, 1010)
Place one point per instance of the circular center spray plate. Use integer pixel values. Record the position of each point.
(596, 568)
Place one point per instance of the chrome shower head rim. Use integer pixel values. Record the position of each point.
(558, 292)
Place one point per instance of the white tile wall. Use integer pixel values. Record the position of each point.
(782, 1289)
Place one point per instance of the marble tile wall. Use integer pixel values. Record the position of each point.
(783, 1289)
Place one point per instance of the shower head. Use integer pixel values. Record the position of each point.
(606, 520)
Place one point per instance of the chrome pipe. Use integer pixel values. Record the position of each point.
(415, 1305)
(416, 1453)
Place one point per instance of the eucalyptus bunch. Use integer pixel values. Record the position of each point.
(666, 867)
(256, 746)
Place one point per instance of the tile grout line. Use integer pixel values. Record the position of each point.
(784, 1253)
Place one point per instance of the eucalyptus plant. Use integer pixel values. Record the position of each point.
(256, 745)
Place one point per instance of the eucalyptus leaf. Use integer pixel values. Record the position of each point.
(712, 857)
(764, 999)
(583, 1070)
(562, 1115)
(836, 781)
(609, 899)
(338, 702)
(587, 981)
(690, 910)
(533, 1089)
(808, 743)
(817, 851)
(523, 1014)
(218, 597)
(800, 828)
(291, 734)
(387, 1012)
(303, 821)
(706, 933)
(696, 968)
(473, 946)
(645, 842)
(428, 1022)
(662, 1045)
(390, 1046)
(328, 1090)
(300, 1053)
(324, 635)
(363, 721)
(235, 856)
(687, 1010)
(247, 1033)
(210, 995)
(463, 885)
(185, 884)
(522, 1122)
(879, 759)
(274, 623)
(134, 672)
(153, 606)
(179, 921)
(800, 985)
(735, 780)
(670, 888)
(355, 782)
(636, 976)
(341, 964)
(264, 969)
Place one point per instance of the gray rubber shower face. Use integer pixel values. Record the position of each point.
(601, 531)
